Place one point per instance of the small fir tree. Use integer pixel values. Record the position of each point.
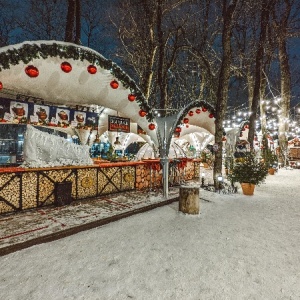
(249, 169)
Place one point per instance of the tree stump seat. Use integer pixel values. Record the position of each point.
(189, 199)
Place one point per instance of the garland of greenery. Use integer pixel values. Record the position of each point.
(28, 52)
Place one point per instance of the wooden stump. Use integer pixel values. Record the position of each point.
(189, 200)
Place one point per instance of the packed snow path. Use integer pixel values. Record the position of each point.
(239, 247)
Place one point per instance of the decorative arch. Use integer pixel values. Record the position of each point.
(63, 73)
(204, 117)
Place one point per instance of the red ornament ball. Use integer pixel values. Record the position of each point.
(142, 113)
(198, 111)
(1, 85)
(186, 120)
(211, 115)
(151, 126)
(246, 126)
(32, 71)
(204, 109)
(191, 113)
(177, 129)
(92, 69)
(131, 97)
(187, 125)
(66, 67)
(114, 84)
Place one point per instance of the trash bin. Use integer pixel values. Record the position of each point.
(63, 193)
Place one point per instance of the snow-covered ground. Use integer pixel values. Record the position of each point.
(238, 247)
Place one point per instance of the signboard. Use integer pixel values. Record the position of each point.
(23, 112)
(118, 124)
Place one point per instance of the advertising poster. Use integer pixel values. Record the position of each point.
(80, 117)
(19, 111)
(63, 115)
(42, 112)
(14, 111)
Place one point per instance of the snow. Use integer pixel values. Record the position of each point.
(238, 247)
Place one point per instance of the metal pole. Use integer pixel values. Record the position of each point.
(165, 165)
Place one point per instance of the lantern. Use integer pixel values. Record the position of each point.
(92, 69)
(211, 115)
(32, 71)
(198, 111)
(131, 97)
(114, 84)
(191, 113)
(66, 67)
(185, 120)
(142, 113)
(1, 85)
(204, 109)
(151, 126)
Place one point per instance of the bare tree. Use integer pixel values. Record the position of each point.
(152, 44)
(42, 19)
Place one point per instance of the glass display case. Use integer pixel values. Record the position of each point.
(8, 153)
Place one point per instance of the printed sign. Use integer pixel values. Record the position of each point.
(118, 124)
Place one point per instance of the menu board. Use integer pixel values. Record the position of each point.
(118, 124)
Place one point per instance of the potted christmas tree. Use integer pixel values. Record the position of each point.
(248, 171)
(270, 160)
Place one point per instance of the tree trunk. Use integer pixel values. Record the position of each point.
(189, 200)
(285, 91)
(264, 20)
(222, 92)
(78, 22)
(69, 34)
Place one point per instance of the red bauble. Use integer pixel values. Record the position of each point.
(246, 126)
(177, 129)
(32, 71)
(151, 126)
(114, 84)
(198, 111)
(1, 85)
(211, 115)
(191, 113)
(66, 67)
(187, 126)
(131, 97)
(92, 69)
(204, 109)
(186, 120)
(142, 113)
